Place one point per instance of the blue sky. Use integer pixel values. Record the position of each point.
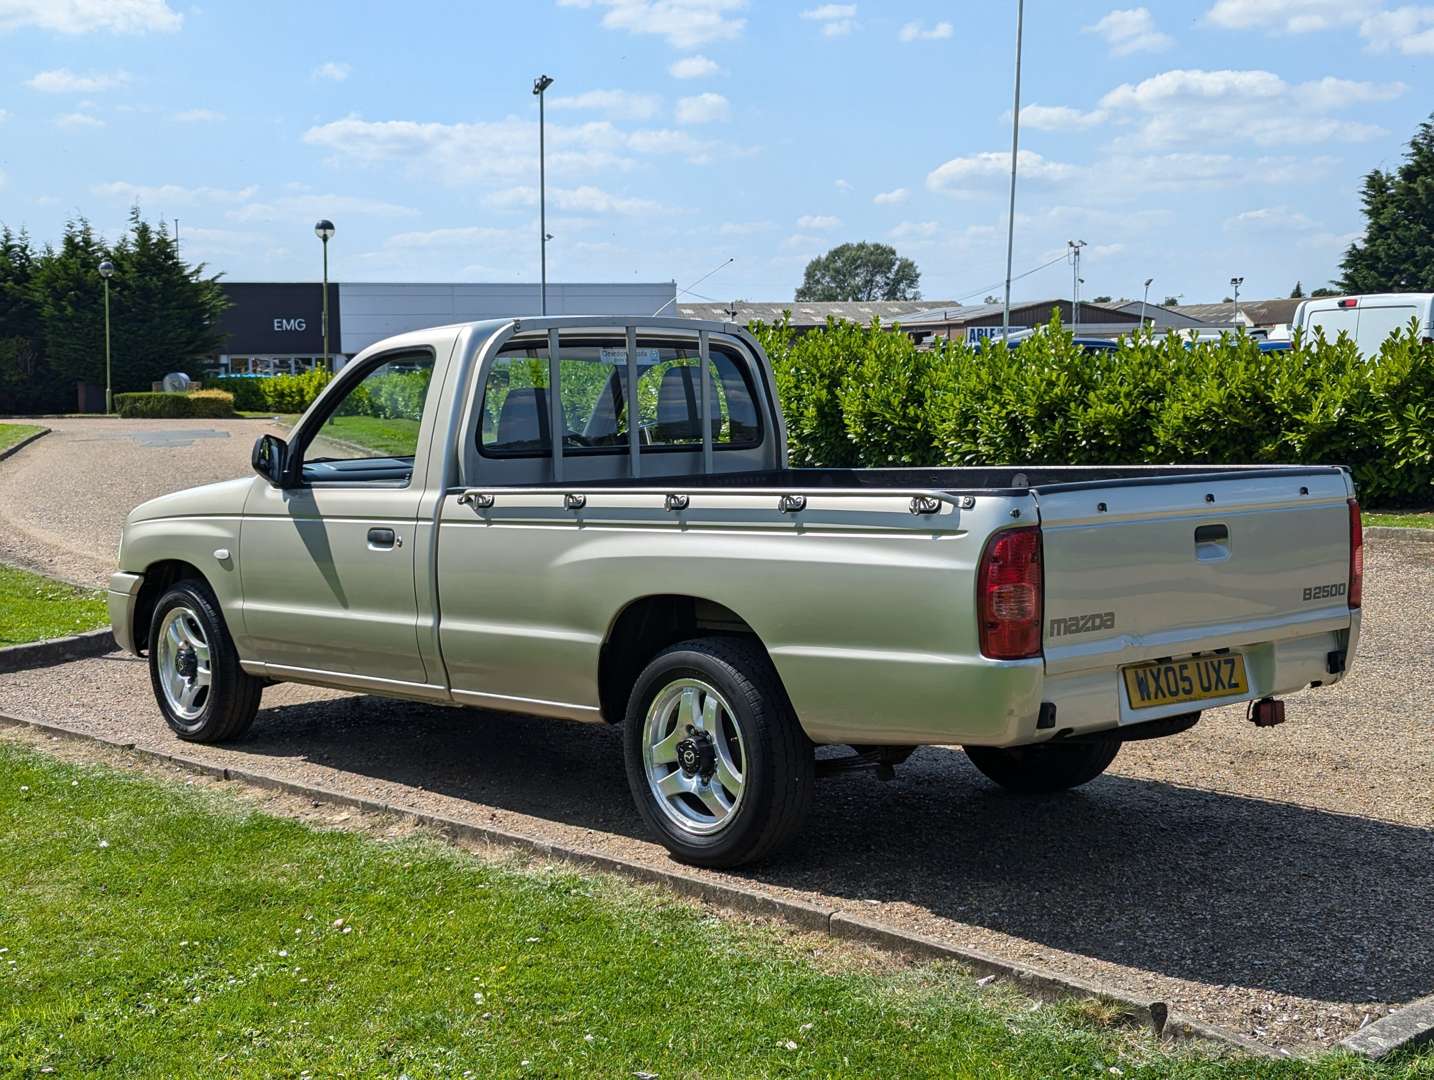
(1188, 141)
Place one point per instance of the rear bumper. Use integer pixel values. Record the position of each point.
(1095, 700)
(122, 597)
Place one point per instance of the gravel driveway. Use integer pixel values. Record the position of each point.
(65, 497)
(1272, 881)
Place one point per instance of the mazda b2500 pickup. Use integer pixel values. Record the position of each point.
(593, 519)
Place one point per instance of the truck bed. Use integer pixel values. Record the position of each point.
(1005, 480)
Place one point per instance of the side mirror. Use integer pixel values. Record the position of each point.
(269, 457)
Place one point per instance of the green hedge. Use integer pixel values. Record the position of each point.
(202, 403)
(276, 394)
(866, 396)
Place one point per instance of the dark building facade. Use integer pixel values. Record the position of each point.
(276, 326)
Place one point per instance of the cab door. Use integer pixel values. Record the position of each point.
(327, 563)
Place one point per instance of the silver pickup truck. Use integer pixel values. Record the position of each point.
(593, 519)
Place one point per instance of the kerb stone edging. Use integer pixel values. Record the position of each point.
(35, 654)
(26, 441)
(1410, 1026)
(1399, 532)
(733, 896)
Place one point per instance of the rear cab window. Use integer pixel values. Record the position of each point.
(596, 407)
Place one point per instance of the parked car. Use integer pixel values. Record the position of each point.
(595, 520)
(1367, 320)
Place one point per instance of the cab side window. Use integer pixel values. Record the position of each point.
(372, 431)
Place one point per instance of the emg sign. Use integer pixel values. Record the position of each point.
(292, 325)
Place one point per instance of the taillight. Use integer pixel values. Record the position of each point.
(1008, 595)
(1356, 555)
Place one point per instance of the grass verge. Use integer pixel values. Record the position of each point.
(153, 929)
(33, 608)
(1410, 519)
(10, 434)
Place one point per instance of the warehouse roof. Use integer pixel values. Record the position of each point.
(807, 312)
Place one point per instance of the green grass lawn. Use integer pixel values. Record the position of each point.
(1408, 519)
(33, 608)
(10, 434)
(153, 929)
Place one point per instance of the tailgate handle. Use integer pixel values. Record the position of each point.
(1212, 534)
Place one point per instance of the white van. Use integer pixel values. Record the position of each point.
(1368, 320)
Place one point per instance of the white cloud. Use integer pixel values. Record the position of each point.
(916, 230)
(744, 228)
(916, 31)
(818, 221)
(89, 16)
(458, 236)
(842, 185)
(1271, 218)
(693, 67)
(892, 197)
(4, 116)
(582, 200)
(504, 150)
(615, 102)
(836, 20)
(198, 116)
(172, 194)
(65, 81)
(78, 120)
(1408, 30)
(1058, 118)
(685, 24)
(305, 208)
(975, 173)
(333, 71)
(1289, 16)
(798, 240)
(1130, 30)
(703, 109)
(1256, 106)
(1126, 173)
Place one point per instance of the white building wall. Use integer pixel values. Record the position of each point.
(372, 312)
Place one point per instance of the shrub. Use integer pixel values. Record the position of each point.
(162, 406)
(866, 396)
(276, 393)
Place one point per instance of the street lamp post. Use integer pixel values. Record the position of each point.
(1145, 299)
(324, 230)
(1015, 149)
(107, 270)
(1074, 247)
(1235, 283)
(541, 83)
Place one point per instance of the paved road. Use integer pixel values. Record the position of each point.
(65, 497)
(1273, 881)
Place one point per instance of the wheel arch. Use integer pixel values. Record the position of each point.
(158, 577)
(648, 624)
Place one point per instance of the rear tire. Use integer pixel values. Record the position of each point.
(205, 695)
(1045, 767)
(718, 765)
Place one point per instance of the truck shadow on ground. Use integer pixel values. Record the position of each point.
(1192, 884)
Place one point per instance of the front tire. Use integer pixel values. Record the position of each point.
(1045, 767)
(717, 763)
(205, 695)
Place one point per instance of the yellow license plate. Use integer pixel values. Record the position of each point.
(1175, 681)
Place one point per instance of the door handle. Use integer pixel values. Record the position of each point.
(384, 538)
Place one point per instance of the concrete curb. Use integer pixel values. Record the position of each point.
(1403, 1029)
(1399, 532)
(36, 654)
(26, 441)
(1047, 985)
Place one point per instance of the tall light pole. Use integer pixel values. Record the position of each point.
(324, 230)
(1074, 247)
(1235, 283)
(541, 83)
(1145, 299)
(1015, 149)
(107, 270)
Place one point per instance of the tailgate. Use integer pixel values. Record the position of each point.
(1161, 567)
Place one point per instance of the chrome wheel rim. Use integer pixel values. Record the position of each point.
(694, 757)
(182, 662)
